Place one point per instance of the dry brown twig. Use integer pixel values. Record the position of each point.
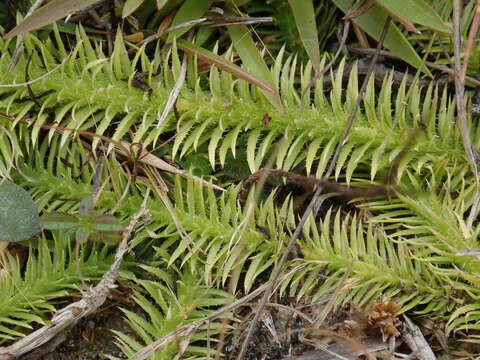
(91, 300)
(314, 203)
(310, 184)
(416, 341)
(461, 112)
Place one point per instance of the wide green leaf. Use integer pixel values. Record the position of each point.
(130, 6)
(372, 22)
(18, 213)
(47, 14)
(415, 11)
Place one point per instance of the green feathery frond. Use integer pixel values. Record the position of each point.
(379, 266)
(90, 90)
(168, 304)
(221, 236)
(30, 292)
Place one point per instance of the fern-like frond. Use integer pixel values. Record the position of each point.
(221, 237)
(92, 91)
(373, 265)
(29, 292)
(167, 304)
(433, 229)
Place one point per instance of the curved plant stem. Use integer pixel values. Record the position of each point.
(174, 93)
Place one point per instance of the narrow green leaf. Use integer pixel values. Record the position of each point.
(107, 237)
(190, 10)
(161, 4)
(47, 14)
(372, 22)
(264, 148)
(224, 64)
(120, 61)
(466, 309)
(311, 153)
(304, 15)
(130, 6)
(252, 142)
(229, 141)
(82, 234)
(416, 11)
(86, 206)
(106, 223)
(212, 146)
(253, 62)
(58, 221)
(355, 160)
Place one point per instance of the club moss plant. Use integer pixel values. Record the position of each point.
(407, 247)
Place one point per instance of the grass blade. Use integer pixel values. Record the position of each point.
(304, 15)
(372, 23)
(47, 14)
(190, 10)
(222, 63)
(415, 11)
(130, 6)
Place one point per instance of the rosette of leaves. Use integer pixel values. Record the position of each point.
(86, 225)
